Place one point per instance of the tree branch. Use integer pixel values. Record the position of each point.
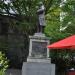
(48, 5)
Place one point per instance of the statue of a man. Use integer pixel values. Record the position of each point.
(41, 16)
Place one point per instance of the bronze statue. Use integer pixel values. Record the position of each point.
(41, 17)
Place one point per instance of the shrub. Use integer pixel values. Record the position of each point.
(3, 63)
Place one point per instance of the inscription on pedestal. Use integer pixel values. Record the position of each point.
(38, 46)
(39, 49)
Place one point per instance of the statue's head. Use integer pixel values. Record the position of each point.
(40, 3)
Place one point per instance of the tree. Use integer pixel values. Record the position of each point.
(57, 28)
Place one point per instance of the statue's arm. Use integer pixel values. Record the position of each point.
(41, 9)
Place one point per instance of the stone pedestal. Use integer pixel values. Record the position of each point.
(38, 61)
(38, 46)
(35, 68)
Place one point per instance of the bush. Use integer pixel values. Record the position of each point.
(3, 63)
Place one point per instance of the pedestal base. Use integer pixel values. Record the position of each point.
(38, 68)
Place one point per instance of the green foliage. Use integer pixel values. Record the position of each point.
(52, 29)
(69, 9)
(53, 23)
(2, 73)
(3, 63)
